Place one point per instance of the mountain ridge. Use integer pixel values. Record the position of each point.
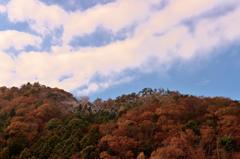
(37, 121)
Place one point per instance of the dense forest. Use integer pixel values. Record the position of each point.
(38, 122)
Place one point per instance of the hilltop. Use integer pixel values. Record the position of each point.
(39, 122)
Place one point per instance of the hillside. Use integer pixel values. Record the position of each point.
(38, 122)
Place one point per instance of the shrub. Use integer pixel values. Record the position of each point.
(212, 123)
(228, 143)
(53, 123)
(194, 125)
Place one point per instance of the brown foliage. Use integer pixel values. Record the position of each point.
(174, 126)
(151, 124)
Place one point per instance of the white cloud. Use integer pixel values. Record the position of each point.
(44, 18)
(2, 9)
(159, 35)
(6, 68)
(95, 86)
(41, 17)
(48, 68)
(113, 16)
(17, 40)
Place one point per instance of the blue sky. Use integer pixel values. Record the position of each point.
(216, 76)
(105, 48)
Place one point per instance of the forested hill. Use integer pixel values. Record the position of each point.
(38, 122)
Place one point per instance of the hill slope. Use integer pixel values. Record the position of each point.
(39, 122)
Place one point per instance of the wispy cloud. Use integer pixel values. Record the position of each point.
(17, 40)
(157, 33)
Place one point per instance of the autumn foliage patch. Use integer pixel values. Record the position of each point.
(38, 122)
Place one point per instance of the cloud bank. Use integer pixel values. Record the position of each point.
(164, 30)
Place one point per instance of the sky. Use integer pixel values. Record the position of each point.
(105, 48)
